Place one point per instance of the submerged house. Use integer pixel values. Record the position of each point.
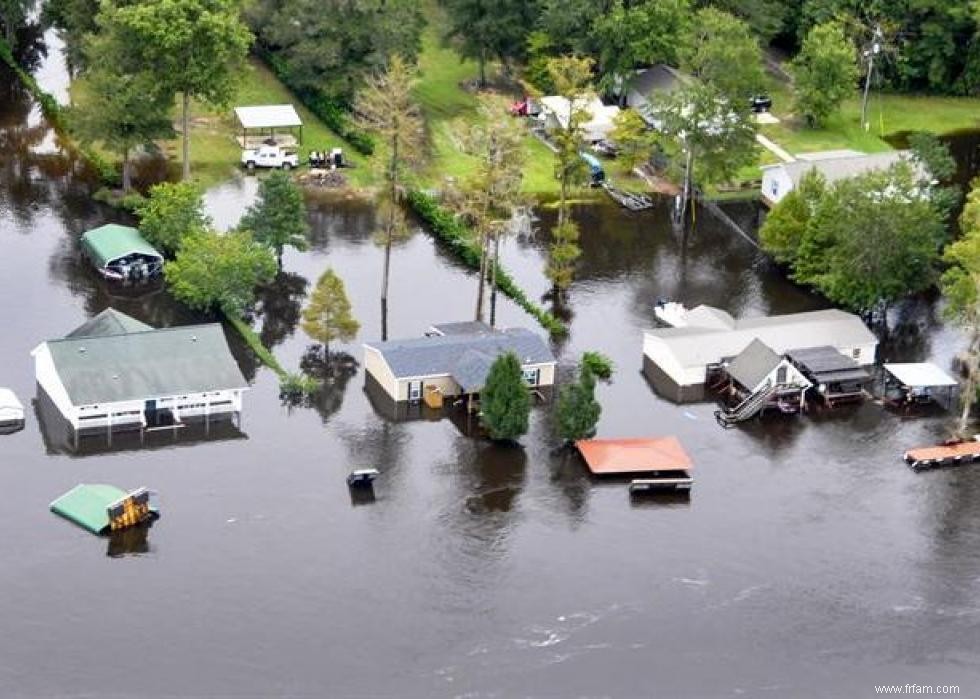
(759, 378)
(120, 253)
(780, 179)
(116, 372)
(677, 360)
(453, 360)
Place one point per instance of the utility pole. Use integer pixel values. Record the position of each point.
(873, 50)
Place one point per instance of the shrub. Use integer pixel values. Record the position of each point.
(598, 364)
(297, 386)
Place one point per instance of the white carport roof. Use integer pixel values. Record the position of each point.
(268, 116)
(920, 375)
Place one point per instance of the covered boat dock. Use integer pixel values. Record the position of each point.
(263, 123)
(120, 253)
(919, 383)
(837, 377)
(654, 463)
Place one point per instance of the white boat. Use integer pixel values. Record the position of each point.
(11, 410)
(671, 313)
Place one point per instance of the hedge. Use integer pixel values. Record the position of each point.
(330, 111)
(456, 236)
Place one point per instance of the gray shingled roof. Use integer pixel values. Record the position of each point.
(108, 322)
(834, 169)
(659, 78)
(445, 355)
(463, 327)
(825, 364)
(471, 371)
(753, 364)
(146, 364)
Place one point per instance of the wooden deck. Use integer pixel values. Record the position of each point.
(943, 455)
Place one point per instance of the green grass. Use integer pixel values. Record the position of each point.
(448, 109)
(888, 114)
(215, 153)
(252, 339)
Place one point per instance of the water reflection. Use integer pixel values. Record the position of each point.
(279, 305)
(132, 541)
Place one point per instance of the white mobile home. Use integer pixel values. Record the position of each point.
(676, 360)
(454, 359)
(115, 371)
(780, 179)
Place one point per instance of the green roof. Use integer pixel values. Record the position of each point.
(87, 505)
(108, 322)
(146, 364)
(112, 241)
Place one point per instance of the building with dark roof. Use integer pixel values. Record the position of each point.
(454, 359)
(649, 84)
(114, 371)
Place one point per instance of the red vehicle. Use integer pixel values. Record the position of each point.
(523, 108)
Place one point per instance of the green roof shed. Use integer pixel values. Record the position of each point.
(88, 505)
(110, 242)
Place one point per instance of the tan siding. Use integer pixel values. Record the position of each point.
(377, 367)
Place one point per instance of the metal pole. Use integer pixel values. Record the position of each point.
(872, 52)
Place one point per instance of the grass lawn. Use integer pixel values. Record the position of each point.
(215, 153)
(888, 114)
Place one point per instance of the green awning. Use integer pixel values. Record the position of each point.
(112, 241)
(87, 505)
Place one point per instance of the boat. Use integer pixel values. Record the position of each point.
(670, 313)
(11, 411)
(362, 477)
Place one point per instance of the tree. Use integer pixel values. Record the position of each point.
(122, 110)
(219, 271)
(637, 34)
(824, 72)
(338, 44)
(13, 14)
(328, 316)
(939, 167)
(387, 107)
(278, 216)
(872, 240)
(505, 401)
(724, 54)
(171, 213)
(784, 227)
(492, 190)
(578, 409)
(490, 28)
(633, 137)
(714, 139)
(572, 78)
(961, 287)
(192, 47)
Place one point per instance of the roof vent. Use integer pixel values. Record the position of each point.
(193, 338)
(81, 350)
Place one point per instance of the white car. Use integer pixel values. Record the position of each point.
(11, 410)
(269, 156)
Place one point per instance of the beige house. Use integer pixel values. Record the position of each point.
(455, 359)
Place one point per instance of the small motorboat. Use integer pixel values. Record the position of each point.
(11, 411)
(362, 477)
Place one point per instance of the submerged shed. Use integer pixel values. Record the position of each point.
(100, 508)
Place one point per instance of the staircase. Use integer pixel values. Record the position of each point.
(748, 408)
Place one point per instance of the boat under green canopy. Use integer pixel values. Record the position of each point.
(88, 505)
(111, 242)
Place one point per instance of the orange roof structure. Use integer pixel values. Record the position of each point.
(967, 450)
(608, 457)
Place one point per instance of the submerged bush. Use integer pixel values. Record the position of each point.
(598, 364)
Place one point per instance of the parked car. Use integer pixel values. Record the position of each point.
(761, 103)
(269, 156)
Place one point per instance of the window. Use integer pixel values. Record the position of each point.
(781, 374)
(532, 376)
(414, 390)
(856, 353)
(775, 188)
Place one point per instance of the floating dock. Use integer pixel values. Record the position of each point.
(633, 202)
(943, 455)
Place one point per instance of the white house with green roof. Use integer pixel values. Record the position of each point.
(114, 371)
(120, 253)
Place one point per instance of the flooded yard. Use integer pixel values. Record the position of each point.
(808, 562)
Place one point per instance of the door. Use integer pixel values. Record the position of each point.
(415, 391)
(150, 411)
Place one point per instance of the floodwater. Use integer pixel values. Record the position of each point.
(808, 562)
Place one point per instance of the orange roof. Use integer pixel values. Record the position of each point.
(611, 456)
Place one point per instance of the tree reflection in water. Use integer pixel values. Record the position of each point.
(279, 305)
(334, 370)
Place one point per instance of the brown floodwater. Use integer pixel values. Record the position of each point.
(808, 562)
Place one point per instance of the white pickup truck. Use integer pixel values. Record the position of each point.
(269, 156)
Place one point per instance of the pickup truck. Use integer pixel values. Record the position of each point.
(269, 156)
